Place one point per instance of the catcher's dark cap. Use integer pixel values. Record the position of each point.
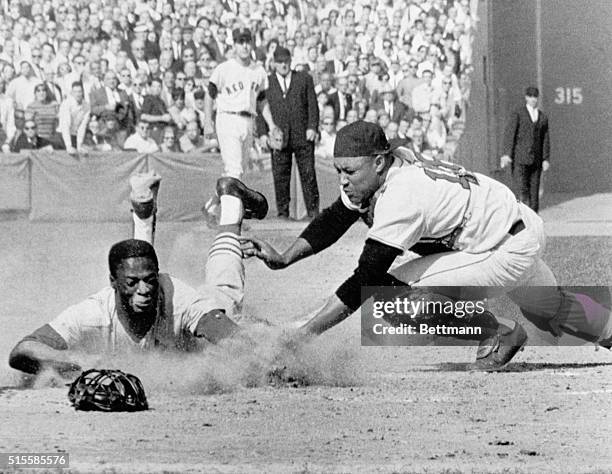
(242, 34)
(282, 55)
(532, 92)
(361, 139)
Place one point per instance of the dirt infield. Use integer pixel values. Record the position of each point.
(350, 409)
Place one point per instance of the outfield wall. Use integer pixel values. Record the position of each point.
(565, 48)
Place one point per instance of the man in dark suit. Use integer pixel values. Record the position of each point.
(390, 103)
(29, 139)
(527, 149)
(341, 100)
(294, 108)
(111, 101)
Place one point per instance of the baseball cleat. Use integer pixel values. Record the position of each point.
(254, 203)
(496, 351)
(143, 194)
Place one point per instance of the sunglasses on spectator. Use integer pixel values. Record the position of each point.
(36, 56)
(169, 137)
(33, 127)
(180, 78)
(446, 82)
(328, 123)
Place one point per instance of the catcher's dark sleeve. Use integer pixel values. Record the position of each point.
(48, 336)
(329, 226)
(374, 263)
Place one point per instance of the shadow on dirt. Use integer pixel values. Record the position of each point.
(518, 366)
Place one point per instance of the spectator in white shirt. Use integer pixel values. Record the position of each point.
(140, 140)
(73, 118)
(21, 89)
(7, 116)
(193, 142)
(325, 147)
(423, 94)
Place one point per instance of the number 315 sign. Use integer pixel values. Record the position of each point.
(568, 95)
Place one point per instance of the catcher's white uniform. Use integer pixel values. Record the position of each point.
(237, 87)
(477, 214)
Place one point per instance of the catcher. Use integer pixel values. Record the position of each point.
(488, 240)
(143, 308)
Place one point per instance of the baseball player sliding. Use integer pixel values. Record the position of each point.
(143, 308)
(237, 86)
(491, 241)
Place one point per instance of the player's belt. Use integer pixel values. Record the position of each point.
(242, 113)
(517, 227)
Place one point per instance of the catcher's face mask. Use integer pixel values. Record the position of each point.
(107, 390)
(137, 283)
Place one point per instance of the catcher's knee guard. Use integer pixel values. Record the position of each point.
(215, 326)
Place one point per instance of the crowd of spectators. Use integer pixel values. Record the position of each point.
(102, 75)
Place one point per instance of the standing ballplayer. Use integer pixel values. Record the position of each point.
(237, 85)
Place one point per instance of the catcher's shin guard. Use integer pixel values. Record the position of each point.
(583, 317)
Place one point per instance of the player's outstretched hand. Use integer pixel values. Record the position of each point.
(253, 247)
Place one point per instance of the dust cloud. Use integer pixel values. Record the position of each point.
(258, 356)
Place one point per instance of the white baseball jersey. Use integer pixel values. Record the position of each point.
(431, 199)
(238, 86)
(93, 323)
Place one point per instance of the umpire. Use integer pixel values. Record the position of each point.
(294, 108)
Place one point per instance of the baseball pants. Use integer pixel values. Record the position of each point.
(515, 268)
(235, 135)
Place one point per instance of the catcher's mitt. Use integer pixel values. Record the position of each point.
(107, 390)
(276, 139)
